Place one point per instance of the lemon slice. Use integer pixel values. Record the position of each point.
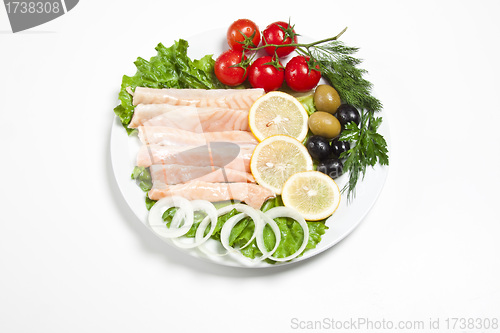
(312, 193)
(276, 158)
(278, 113)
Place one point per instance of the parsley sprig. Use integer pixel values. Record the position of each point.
(368, 148)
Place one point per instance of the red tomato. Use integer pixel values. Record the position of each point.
(299, 76)
(243, 32)
(226, 69)
(263, 74)
(279, 33)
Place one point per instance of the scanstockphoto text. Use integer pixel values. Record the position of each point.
(383, 324)
(27, 14)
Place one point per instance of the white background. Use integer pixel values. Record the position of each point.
(73, 257)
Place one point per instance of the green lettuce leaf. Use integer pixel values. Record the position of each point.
(292, 235)
(170, 68)
(307, 102)
(291, 232)
(142, 177)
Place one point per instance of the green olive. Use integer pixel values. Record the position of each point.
(324, 124)
(326, 98)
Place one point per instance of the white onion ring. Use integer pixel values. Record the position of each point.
(209, 208)
(204, 223)
(260, 236)
(226, 232)
(229, 224)
(185, 212)
(293, 214)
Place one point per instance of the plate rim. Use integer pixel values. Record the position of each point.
(125, 184)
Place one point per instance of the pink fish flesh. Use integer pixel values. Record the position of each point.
(252, 194)
(192, 120)
(145, 112)
(172, 174)
(167, 136)
(197, 156)
(227, 98)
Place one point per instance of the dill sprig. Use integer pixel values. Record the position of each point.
(340, 68)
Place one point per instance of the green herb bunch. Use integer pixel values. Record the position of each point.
(369, 147)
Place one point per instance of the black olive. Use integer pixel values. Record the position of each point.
(338, 147)
(318, 147)
(331, 167)
(347, 113)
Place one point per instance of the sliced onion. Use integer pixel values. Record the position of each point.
(209, 208)
(204, 223)
(231, 223)
(242, 208)
(293, 214)
(260, 236)
(226, 231)
(185, 212)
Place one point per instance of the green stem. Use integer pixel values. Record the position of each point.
(307, 46)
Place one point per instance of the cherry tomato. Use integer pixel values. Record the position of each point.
(226, 71)
(299, 76)
(263, 74)
(243, 32)
(279, 33)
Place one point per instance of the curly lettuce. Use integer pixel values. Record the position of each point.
(291, 232)
(170, 68)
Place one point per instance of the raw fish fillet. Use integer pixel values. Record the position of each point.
(252, 194)
(145, 112)
(190, 119)
(227, 98)
(173, 174)
(221, 155)
(167, 136)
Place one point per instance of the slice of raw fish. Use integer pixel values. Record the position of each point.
(218, 154)
(167, 136)
(227, 98)
(191, 119)
(173, 174)
(145, 112)
(252, 194)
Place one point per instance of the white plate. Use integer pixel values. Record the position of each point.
(342, 223)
